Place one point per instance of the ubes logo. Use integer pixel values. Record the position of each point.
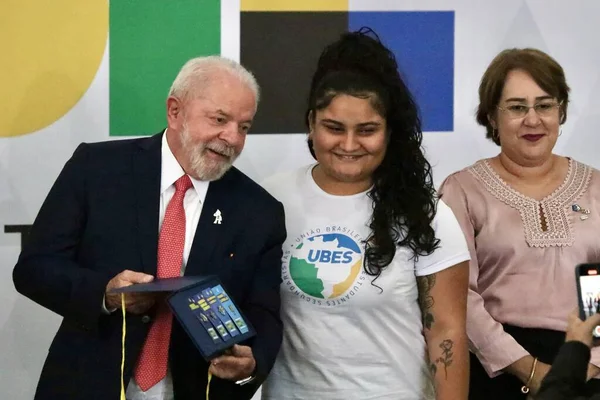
(334, 257)
(325, 266)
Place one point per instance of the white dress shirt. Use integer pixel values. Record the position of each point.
(192, 204)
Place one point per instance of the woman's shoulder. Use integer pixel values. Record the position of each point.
(285, 182)
(592, 170)
(584, 175)
(465, 176)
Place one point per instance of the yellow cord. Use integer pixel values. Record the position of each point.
(123, 346)
(208, 384)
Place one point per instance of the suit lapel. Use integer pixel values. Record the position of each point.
(146, 175)
(209, 233)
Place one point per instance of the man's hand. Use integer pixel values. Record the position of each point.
(238, 363)
(135, 303)
(581, 330)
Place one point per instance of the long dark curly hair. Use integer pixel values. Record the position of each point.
(403, 194)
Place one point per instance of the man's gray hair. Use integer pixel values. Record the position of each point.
(196, 73)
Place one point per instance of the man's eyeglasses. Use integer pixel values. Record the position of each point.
(543, 109)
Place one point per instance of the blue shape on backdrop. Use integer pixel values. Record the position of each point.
(423, 43)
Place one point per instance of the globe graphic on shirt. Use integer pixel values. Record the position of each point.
(325, 266)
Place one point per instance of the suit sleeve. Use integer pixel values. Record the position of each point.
(567, 376)
(264, 301)
(47, 271)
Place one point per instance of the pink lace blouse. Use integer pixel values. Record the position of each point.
(520, 273)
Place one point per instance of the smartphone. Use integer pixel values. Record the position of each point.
(588, 292)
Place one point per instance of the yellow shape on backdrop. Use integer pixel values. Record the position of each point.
(50, 54)
(294, 5)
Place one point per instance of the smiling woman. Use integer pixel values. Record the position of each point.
(50, 57)
(520, 214)
(373, 272)
(349, 138)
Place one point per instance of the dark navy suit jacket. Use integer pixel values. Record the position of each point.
(100, 218)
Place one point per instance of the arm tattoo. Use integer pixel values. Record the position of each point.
(426, 302)
(445, 359)
(425, 283)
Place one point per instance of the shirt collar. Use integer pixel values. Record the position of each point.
(170, 171)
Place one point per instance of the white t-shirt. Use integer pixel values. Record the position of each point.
(344, 338)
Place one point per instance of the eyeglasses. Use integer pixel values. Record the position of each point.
(543, 109)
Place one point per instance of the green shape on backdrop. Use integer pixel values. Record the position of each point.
(149, 42)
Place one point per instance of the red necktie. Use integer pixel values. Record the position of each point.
(152, 364)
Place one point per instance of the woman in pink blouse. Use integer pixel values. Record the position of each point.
(530, 216)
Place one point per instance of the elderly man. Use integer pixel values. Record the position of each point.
(125, 212)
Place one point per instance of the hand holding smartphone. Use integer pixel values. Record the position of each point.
(588, 292)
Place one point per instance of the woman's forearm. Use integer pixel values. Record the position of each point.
(449, 363)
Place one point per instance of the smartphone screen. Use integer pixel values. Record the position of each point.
(589, 292)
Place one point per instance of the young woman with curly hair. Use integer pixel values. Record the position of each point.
(374, 267)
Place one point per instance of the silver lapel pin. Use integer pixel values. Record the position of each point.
(218, 217)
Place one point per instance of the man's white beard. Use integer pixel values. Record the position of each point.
(203, 168)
